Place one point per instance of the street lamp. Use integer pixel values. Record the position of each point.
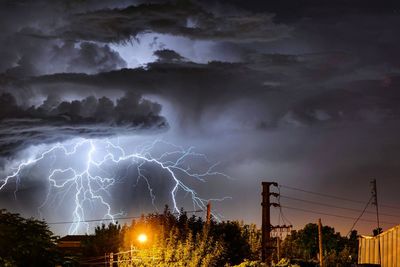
(142, 238)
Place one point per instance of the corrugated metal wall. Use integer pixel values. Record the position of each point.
(389, 242)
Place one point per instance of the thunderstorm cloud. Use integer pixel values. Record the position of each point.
(181, 18)
(306, 93)
(57, 120)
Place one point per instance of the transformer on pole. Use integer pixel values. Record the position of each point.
(266, 245)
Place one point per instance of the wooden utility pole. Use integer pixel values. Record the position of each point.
(208, 213)
(278, 248)
(375, 202)
(266, 246)
(321, 262)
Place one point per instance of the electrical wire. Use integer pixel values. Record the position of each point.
(284, 218)
(359, 217)
(335, 206)
(321, 194)
(334, 215)
(334, 196)
(116, 219)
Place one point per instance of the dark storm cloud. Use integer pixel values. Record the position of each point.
(31, 56)
(57, 120)
(297, 97)
(26, 50)
(278, 84)
(372, 101)
(289, 11)
(167, 55)
(192, 87)
(314, 96)
(87, 58)
(181, 18)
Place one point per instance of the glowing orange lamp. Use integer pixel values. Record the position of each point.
(142, 238)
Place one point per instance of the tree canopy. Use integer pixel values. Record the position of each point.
(337, 249)
(178, 240)
(26, 242)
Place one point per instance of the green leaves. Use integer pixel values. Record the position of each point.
(189, 241)
(303, 244)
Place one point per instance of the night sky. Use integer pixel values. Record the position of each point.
(305, 94)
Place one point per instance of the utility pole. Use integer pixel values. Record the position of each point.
(321, 262)
(266, 246)
(375, 202)
(208, 213)
(278, 248)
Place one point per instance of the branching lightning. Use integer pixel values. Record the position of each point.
(90, 181)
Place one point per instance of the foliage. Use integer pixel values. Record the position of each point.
(303, 244)
(189, 241)
(106, 239)
(247, 263)
(253, 236)
(172, 241)
(26, 242)
(199, 250)
(240, 241)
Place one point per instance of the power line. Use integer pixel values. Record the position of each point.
(334, 206)
(115, 219)
(322, 194)
(362, 213)
(281, 214)
(334, 196)
(334, 215)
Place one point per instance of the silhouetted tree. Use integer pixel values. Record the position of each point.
(188, 241)
(303, 244)
(253, 237)
(236, 246)
(106, 239)
(352, 245)
(26, 242)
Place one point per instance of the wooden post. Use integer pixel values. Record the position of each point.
(278, 248)
(321, 262)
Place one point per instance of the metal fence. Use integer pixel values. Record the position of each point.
(383, 249)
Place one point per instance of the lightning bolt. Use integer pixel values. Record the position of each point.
(90, 181)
